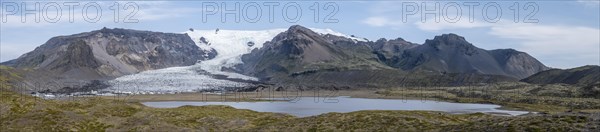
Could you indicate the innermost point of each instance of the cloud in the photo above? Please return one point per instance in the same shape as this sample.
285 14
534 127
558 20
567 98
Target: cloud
384 14
571 45
161 13
589 2
431 25
562 46
380 21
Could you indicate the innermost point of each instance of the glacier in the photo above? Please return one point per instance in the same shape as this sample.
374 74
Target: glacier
230 45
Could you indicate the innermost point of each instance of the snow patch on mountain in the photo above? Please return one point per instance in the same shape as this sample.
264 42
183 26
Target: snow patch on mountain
329 31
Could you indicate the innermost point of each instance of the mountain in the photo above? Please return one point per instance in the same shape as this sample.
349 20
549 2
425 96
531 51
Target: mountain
297 55
109 53
205 75
297 50
450 53
582 76
388 51
300 55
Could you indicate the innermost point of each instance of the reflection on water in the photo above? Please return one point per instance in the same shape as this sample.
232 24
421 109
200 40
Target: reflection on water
310 106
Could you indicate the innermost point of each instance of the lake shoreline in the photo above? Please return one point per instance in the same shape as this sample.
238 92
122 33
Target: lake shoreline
270 95
310 106
383 93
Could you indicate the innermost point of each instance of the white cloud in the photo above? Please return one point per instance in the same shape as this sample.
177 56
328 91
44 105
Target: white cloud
572 45
380 21
562 46
161 13
431 25
589 2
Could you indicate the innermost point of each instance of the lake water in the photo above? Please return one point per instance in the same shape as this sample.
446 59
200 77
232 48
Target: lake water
310 106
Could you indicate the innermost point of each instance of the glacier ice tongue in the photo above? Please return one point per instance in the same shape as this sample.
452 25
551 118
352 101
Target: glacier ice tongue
230 45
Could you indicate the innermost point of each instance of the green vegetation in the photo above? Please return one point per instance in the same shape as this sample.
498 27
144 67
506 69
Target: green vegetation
550 98
26 113
8 75
20 112
433 121
23 112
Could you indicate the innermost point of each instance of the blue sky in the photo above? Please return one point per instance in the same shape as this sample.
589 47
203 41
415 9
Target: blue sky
561 34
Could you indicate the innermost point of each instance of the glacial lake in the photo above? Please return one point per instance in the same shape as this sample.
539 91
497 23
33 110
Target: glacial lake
311 106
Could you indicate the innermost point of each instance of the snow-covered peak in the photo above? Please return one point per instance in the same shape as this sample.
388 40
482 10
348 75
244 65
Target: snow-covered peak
238 39
329 31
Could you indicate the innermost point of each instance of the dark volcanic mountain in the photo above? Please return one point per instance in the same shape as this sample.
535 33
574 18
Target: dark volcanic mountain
301 55
300 49
450 53
583 76
109 53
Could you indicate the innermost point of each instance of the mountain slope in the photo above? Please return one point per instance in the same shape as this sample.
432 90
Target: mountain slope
450 53
219 72
300 55
583 76
208 74
299 49
109 53
296 55
516 63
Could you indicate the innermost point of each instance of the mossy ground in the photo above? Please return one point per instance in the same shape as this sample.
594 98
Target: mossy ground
552 98
26 113
20 112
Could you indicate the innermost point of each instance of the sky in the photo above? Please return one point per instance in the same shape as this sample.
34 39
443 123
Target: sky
561 34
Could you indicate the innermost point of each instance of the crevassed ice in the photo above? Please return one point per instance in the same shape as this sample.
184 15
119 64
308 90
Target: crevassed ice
230 46
173 79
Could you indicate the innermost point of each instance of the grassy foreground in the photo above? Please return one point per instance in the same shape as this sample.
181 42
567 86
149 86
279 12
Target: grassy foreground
26 113
20 112
549 98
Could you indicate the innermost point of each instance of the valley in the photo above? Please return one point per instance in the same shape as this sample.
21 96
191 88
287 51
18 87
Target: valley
109 79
